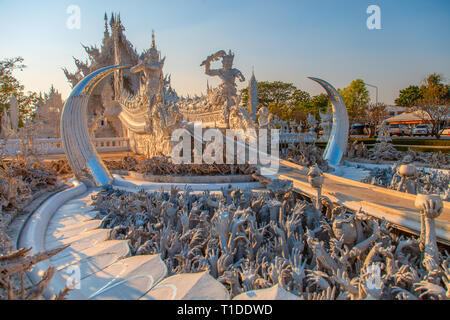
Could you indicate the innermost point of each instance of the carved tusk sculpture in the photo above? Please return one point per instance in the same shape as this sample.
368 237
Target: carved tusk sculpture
83 158
337 144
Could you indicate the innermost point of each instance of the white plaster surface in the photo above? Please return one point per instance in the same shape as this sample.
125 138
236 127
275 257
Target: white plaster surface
274 293
104 267
192 286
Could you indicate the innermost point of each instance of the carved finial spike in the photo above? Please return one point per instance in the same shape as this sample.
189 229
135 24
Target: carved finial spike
153 39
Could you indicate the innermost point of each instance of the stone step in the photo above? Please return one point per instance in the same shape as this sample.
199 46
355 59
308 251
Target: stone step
274 293
80 242
78 204
63 222
188 286
126 279
74 214
94 259
57 232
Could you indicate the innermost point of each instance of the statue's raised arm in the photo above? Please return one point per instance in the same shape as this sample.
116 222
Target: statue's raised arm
240 76
207 63
214 57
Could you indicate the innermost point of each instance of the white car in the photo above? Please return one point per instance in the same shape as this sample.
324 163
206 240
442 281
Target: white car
421 130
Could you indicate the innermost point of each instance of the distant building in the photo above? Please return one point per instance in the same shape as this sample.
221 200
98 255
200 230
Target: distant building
392 111
409 118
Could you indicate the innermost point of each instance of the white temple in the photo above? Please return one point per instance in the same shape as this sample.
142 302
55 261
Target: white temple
139 103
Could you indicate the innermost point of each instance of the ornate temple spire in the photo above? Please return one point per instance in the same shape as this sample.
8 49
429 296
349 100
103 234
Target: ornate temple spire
153 54
116 28
253 95
106 27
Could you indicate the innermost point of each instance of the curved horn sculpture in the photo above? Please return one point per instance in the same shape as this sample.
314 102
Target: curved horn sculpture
83 158
337 144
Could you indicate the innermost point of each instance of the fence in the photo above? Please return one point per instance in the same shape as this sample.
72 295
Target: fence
54 146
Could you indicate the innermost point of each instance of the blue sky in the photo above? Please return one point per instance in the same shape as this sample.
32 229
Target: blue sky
283 40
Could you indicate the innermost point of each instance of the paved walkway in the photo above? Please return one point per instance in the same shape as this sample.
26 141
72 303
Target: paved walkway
396 207
107 272
104 269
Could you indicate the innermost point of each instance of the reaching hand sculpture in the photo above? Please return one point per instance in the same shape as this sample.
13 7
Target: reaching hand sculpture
315 179
430 207
228 76
342 255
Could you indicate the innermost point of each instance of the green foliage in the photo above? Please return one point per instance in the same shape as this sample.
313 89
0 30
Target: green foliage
356 98
10 85
317 104
276 93
435 102
433 90
409 97
286 101
433 98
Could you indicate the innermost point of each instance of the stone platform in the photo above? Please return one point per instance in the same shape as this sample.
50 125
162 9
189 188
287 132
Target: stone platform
397 207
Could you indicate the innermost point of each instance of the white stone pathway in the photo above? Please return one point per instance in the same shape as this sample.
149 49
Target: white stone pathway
102 269
105 268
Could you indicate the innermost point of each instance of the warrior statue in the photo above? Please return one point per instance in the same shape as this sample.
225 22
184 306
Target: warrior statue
228 75
151 65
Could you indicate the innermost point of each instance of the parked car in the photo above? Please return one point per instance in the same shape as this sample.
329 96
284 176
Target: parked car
399 130
358 129
421 130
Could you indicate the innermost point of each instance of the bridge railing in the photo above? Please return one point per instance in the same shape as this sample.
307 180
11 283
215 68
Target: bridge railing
54 146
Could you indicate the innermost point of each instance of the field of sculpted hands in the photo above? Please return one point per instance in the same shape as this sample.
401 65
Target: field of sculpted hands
247 240
254 240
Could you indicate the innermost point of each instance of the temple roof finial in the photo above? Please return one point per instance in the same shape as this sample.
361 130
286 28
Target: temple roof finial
106 25
153 39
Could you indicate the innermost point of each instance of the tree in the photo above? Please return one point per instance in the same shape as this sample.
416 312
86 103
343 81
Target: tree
10 85
409 97
435 103
288 102
317 104
356 98
278 93
375 115
299 96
